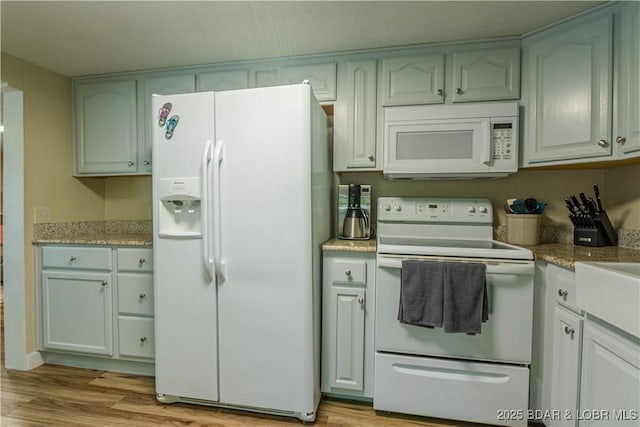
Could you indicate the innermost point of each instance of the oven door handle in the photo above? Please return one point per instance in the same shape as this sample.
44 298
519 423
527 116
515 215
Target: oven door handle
493 267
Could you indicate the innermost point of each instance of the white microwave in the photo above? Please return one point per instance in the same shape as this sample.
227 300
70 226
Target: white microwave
458 141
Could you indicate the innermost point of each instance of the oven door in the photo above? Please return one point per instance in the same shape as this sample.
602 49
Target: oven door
506 335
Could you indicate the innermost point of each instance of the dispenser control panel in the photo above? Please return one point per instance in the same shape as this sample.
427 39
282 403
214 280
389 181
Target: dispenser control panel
179 189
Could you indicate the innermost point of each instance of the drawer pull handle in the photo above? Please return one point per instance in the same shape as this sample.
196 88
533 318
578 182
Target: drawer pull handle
563 293
569 331
142 296
104 283
143 340
347 273
72 259
141 261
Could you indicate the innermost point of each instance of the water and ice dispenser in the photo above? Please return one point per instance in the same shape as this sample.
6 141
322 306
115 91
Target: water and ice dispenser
180 213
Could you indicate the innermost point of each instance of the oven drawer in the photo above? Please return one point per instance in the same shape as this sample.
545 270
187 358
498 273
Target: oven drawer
453 389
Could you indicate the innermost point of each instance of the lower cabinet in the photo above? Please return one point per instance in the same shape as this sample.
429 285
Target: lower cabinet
347 324
567 334
76 311
610 386
590 369
96 307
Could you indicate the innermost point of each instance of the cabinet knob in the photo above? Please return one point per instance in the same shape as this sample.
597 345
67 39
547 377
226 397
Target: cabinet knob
130 164
141 261
440 92
562 293
146 163
142 296
347 273
569 331
361 301
603 143
371 157
459 91
104 283
72 259
621 140
143 340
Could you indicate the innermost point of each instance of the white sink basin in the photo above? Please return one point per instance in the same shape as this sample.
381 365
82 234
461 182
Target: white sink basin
610 291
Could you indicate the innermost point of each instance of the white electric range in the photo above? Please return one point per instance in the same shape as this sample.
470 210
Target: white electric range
425 371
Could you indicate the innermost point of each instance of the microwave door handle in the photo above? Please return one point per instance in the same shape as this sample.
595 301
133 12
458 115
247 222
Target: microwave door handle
488 144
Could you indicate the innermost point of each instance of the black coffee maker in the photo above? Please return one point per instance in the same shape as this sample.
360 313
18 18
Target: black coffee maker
356 222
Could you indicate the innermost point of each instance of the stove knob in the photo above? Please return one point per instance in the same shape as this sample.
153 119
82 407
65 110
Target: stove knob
387 208
398 208
471 209
482 209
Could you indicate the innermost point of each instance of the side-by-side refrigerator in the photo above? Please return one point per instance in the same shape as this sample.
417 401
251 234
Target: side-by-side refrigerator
241 193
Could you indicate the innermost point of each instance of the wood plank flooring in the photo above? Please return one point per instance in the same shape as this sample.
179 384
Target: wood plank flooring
61 396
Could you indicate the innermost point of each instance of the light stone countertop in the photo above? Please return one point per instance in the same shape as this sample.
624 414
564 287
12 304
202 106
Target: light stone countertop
562 254
105 233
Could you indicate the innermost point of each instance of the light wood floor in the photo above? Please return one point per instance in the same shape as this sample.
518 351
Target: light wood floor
62 396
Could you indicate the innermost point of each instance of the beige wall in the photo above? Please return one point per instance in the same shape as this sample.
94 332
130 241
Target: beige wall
619 190
128 198
47 156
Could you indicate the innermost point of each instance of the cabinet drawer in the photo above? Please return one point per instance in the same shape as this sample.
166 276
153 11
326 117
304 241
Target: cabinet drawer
77 257
136 336
135 259
135 294
349 272
564 286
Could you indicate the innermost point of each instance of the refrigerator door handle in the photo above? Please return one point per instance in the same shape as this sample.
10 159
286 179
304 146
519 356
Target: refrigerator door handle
218 156
204 206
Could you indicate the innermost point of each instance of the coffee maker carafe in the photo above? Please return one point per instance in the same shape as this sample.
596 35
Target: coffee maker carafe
355 224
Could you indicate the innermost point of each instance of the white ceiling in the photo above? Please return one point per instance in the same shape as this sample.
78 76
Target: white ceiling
77 38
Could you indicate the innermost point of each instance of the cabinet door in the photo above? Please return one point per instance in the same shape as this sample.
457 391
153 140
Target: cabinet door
610 376
413 80
347 329
105 127
222 80
483 75
565 365
627 132
169 85
354 140
569 108
77 312
322 78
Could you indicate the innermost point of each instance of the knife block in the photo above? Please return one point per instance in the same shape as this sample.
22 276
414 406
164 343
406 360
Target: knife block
601 233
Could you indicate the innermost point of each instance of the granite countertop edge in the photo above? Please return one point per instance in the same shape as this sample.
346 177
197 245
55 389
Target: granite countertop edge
116 239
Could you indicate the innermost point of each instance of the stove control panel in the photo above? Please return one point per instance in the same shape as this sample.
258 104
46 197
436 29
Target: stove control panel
436 210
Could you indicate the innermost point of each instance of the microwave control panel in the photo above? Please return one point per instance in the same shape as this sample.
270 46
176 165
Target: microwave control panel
502 141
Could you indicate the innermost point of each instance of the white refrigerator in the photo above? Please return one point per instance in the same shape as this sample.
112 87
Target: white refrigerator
241 195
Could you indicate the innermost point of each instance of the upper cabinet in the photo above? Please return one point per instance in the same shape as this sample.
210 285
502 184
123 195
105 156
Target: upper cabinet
354 120
322 78
472 73
569 72
413 80
626 134
581 96
485 74
222 80
105 127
